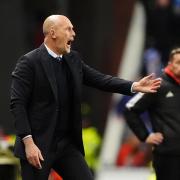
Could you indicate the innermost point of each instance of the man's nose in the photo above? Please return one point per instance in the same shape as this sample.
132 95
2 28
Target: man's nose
73 33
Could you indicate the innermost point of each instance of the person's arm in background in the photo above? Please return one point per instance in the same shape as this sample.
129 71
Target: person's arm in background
134 108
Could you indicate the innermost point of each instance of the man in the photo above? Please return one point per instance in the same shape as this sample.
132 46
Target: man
164 111
45 101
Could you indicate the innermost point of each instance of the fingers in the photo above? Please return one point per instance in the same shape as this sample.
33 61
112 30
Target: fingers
155 138
151 76
159 135
157 141
157 80
35 157
147 84
158 138
38 163
154 88
40 156
153 79
35 161
38 160
33 153
156 83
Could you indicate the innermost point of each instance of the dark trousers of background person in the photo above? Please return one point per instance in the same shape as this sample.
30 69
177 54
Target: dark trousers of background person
167 167
67 161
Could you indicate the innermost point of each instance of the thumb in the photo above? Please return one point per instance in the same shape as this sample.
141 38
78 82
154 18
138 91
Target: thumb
151 76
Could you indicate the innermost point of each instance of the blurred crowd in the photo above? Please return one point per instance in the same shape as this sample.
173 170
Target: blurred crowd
162 32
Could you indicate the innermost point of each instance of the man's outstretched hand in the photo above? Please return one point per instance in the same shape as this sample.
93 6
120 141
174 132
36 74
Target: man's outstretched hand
148 84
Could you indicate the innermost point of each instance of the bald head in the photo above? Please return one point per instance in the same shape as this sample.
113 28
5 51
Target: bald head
52 21
59 33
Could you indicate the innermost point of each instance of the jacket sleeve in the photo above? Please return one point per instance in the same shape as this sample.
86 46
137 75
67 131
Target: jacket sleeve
21 89
96 79
133 111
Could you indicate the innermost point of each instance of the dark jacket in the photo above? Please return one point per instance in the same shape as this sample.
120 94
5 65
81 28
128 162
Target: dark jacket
164 110
34 101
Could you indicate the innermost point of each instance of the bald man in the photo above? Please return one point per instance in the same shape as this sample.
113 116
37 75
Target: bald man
45 102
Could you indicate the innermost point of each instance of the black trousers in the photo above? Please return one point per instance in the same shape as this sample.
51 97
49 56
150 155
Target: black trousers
67 162
167 167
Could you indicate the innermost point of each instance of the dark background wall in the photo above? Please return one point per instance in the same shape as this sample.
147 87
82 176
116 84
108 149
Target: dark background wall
12 45
101 28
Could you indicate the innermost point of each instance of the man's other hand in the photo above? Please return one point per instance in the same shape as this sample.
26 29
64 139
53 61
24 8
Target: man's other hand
33 154
155 138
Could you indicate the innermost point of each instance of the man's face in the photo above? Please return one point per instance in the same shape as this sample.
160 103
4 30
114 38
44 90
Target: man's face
175 65
64 36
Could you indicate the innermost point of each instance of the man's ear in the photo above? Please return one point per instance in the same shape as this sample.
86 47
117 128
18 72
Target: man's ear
53 33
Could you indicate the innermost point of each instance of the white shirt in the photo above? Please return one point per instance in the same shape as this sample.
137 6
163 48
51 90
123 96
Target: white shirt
52 53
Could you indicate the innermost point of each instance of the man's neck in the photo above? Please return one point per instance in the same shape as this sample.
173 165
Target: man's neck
51 52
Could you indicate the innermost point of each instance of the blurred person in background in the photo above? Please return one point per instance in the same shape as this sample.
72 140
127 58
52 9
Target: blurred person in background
46 103
159 25
152 61
133 153
164 110
92 143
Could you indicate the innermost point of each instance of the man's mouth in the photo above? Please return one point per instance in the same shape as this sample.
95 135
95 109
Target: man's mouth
69 43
